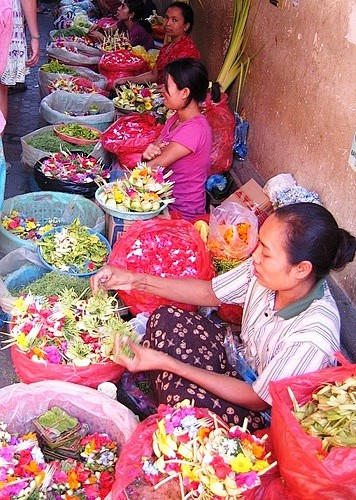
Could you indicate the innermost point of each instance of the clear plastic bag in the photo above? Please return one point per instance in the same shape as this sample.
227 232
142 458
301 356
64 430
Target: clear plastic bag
65 107
233 231
21 403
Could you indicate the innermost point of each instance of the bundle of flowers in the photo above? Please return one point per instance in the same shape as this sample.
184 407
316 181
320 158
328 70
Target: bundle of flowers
66 329
144 189
115 41
118 59
74 248
27 228
60 41
73 167
76 85
210 459
141 98
24 473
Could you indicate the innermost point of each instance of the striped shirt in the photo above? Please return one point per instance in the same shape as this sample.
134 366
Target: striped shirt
299 338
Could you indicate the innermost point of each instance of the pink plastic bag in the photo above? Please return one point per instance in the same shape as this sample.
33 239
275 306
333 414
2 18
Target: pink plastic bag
168 244
30 371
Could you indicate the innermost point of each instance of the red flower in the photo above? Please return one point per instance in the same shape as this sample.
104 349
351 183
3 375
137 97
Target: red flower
220 467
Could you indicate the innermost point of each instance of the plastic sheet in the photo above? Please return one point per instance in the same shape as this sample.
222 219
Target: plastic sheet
222 123
21 403
64 107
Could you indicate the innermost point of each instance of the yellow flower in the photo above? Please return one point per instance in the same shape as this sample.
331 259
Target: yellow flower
20 304
260 465
240 463
22 341
148 105
189 472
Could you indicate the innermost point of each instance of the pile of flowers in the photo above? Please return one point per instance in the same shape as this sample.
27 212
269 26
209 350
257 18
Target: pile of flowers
141 99
74 248
66 329
27 228
22 466
72 84
115 41
73 167
24 473
211 460
60 41
144 189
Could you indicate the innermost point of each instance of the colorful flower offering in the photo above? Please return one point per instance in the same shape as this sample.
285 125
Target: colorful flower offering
26 472
73 167
211 460
141 99
144 189
66 329
27 228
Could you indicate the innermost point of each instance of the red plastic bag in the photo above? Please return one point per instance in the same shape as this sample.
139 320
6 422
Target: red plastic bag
121 64
307 476
161 247
222 123
30 371
129 136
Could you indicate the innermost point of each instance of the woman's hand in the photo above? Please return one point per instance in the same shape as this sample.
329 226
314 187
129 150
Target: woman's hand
144 358
153 150
112 278
34 52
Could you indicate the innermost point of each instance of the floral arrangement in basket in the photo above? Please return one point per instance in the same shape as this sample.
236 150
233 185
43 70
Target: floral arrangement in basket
25 473
143 189
141 99
211 460
27 228
76 85
66 329
73 167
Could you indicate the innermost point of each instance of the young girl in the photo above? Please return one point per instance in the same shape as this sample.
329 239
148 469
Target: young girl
184 145
290 325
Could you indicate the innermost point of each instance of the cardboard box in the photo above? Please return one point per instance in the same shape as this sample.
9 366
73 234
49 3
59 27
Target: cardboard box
251 196
116 227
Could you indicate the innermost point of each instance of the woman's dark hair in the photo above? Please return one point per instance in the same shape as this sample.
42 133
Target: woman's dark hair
189 73
137 7
187 13
313 235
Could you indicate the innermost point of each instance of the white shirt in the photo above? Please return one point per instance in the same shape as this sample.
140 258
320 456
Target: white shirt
299 338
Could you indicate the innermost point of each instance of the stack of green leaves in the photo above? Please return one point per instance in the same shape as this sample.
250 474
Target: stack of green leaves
331 414
59 434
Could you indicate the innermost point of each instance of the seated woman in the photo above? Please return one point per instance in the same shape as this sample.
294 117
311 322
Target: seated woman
184 145
178 22
130 16
290 325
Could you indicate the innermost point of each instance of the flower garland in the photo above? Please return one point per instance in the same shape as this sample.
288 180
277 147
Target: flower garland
27 228
66 329
24 473
210 460
73 167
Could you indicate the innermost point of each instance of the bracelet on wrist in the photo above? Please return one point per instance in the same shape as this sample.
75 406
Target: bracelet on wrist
35 37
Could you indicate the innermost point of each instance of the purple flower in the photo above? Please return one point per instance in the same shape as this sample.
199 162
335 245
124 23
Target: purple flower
53 355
